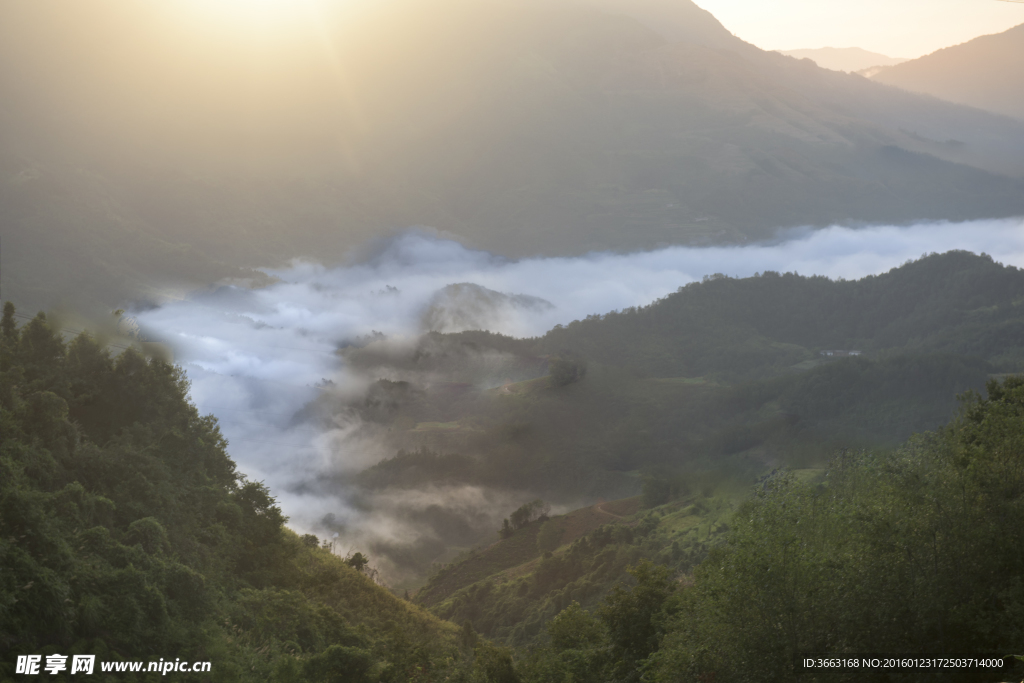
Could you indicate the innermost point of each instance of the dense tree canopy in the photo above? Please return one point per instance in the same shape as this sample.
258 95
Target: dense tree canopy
917 551
127 532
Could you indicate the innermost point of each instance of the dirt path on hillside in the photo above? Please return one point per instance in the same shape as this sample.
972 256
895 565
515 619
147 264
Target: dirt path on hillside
600 508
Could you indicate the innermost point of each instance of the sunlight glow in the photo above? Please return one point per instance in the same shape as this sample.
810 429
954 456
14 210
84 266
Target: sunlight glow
900 28
250 11
268 19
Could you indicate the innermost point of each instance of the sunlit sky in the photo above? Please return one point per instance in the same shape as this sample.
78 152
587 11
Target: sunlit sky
897 28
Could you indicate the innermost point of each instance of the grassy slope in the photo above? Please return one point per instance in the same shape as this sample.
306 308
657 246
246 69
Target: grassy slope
372 607
509 590
505 554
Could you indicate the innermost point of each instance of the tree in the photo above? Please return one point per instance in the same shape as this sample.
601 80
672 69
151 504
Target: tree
493 664
339 664
634 618
8 328
506 529
467 636
528 512
575 629
578 649
357 561
566 369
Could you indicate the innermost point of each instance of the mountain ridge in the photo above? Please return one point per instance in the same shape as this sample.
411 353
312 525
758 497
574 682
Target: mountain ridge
494 128
985 73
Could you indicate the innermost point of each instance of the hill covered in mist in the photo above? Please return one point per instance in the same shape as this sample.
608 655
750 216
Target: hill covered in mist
715 383
145 152
987 73
690 404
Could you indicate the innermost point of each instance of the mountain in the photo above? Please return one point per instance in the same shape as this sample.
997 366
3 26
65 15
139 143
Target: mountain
844 58
718 382
696 407
145 156
987 73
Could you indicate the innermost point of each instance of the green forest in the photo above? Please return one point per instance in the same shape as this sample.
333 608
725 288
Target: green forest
127 532
788 504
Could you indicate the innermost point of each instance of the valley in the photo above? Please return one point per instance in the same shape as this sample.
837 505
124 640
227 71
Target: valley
511 341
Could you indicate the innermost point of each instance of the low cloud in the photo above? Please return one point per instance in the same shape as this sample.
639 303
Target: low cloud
258 359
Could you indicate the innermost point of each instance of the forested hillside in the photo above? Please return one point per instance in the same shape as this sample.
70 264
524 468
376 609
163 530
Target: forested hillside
731 328
915 550
708 388
723 369
920 550
127 532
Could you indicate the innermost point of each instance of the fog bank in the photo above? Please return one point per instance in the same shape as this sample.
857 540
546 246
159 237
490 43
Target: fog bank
256 358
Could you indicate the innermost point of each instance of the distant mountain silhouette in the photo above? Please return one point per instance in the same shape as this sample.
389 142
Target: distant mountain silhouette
139 153
987 73
844 58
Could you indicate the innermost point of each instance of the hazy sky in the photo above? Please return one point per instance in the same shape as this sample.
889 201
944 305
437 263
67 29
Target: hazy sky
897 28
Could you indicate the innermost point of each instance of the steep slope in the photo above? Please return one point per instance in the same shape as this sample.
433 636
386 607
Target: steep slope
987 73
70 241
512 599
127 532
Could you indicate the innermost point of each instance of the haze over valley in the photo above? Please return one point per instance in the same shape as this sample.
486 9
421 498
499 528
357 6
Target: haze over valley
511 341
265 360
